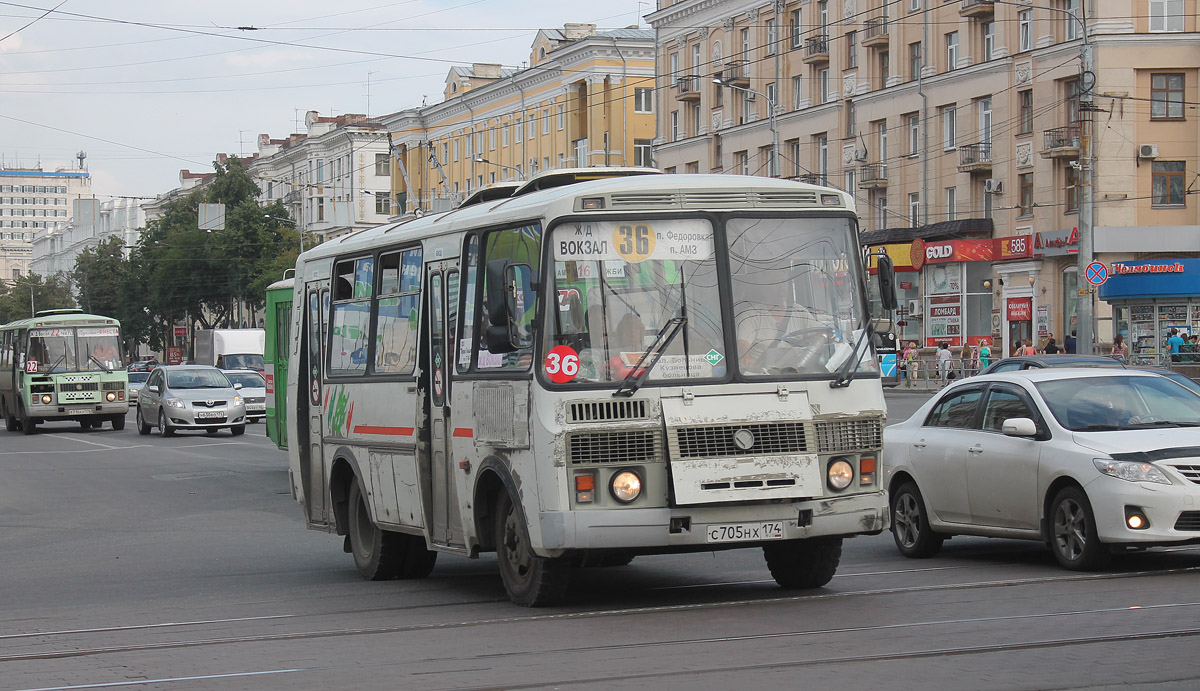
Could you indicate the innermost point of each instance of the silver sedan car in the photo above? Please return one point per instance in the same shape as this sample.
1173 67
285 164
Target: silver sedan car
1085 460
254 392
179 397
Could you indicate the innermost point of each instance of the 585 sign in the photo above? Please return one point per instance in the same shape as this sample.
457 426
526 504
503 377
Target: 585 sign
562 364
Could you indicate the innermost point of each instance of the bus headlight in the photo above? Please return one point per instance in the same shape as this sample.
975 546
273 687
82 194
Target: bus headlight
626 486
840 474
112 396
47 398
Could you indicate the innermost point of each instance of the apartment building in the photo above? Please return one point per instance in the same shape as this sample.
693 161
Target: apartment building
93 221
334 178
958 126
31 201
587 98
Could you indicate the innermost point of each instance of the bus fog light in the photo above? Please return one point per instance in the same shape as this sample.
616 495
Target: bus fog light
47 398
585 488
112 396
840 474
626 486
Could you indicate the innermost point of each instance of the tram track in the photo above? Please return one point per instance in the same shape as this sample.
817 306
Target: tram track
84 652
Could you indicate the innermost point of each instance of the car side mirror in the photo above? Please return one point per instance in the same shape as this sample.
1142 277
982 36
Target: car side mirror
152 388
237 386
1019 427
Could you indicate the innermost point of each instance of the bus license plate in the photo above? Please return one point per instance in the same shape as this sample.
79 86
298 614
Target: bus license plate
739 532
202 414
80 411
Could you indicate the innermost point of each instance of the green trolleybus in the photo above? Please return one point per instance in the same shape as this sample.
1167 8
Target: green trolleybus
62 365
586 371
278 319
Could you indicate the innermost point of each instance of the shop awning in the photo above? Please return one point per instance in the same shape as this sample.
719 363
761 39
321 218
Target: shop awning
966 227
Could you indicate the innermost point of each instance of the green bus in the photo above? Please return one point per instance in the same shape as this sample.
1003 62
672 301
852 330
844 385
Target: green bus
62 365
279 321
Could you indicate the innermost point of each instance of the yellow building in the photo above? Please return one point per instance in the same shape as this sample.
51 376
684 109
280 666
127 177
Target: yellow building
586 99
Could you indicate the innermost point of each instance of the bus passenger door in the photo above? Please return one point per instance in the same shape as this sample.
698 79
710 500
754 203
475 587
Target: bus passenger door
446 526
312 461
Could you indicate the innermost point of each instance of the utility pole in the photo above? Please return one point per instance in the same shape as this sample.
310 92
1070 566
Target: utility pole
770 119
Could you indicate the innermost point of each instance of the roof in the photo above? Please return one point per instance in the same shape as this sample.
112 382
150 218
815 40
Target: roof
1052 373
72 319
647 34
959 228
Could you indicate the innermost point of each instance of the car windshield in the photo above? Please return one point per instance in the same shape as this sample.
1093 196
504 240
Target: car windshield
1101 404
617 284
138 377
797 301
197 379
248 380
246 361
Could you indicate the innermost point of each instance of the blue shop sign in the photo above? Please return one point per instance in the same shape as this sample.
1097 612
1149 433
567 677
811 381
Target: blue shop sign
1151 278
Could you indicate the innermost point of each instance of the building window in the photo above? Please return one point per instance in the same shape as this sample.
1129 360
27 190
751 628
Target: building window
772 97
951 50
1026 124
793 148
823 16
491 138
1166 15
1072 188
1071 23
914 134
517 131
949 127
1167 186
642 152
989 40
1071 89
562 117
881 219
1025 24
914 60
383 166
581 152
675 125
914 209
852 49
951 203
772 36
532 120
881 130
1025 183
696 118
823 86
383 205
545 121
851 119
984 108
823 156
1166 97
320 208
850 182
741 160
885 69
797 92
797 29
718 152
697 68
456 149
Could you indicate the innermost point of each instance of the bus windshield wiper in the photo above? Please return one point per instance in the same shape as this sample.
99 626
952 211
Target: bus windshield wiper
641 370
849 368
102 365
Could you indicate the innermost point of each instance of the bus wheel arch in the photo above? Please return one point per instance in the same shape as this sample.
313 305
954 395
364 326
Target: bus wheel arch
493 478
342 477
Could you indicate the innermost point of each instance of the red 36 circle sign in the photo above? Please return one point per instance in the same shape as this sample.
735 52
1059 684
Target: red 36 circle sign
562 364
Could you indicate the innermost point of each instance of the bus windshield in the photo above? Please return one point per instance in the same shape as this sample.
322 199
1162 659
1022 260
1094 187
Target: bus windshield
51 350
99 348
797 299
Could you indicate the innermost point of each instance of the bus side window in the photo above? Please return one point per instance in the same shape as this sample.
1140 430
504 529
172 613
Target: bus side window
519 246
396 312
470 274
351 319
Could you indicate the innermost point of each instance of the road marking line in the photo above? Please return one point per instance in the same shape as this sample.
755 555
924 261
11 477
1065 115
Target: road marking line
167 680
36 453
86 441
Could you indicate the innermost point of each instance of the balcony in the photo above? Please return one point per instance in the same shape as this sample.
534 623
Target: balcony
872 176
976 8
1061 142
816 49
975 157
875 33
737 73
814 179
687 88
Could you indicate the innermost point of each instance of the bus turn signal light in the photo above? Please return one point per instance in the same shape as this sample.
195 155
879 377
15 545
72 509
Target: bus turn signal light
866 471
585 488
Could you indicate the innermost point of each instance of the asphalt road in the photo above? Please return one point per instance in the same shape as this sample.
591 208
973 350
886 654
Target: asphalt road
183 564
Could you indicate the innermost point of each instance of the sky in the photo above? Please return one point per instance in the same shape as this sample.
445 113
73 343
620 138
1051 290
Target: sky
151 88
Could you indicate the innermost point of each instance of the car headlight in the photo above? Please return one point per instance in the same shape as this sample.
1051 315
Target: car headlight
626 486
840 474
175 403
1133 471
237 400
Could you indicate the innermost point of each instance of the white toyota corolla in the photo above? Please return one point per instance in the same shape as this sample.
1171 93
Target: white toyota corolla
1083 459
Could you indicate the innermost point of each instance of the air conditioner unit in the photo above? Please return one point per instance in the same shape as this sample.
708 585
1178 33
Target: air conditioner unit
993 186
860 154
914 307
1148 151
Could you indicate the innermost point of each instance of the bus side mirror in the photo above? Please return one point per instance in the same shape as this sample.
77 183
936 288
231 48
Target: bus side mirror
887 282
506 284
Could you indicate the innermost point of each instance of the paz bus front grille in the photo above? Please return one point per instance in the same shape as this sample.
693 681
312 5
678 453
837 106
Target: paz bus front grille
627 446
834 436
717 441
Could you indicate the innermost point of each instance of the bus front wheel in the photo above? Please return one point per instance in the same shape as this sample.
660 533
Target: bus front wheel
531 581
802 564
118 422
28 426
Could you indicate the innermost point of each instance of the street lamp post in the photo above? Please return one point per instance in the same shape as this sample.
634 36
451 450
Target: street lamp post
30 286
771 121
481 159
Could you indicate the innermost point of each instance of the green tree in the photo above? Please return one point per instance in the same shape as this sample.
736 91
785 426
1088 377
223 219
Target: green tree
105 283
49 293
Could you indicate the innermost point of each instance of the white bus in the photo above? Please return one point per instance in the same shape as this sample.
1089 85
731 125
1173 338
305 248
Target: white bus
580 373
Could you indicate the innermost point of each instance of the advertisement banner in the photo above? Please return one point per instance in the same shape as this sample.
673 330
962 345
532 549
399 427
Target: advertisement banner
944 321
946 251
900 253
174 355
1056 243
1043 321
1020 309
1016 247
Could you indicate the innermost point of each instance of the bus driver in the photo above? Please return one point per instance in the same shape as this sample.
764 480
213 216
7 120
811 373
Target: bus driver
776 334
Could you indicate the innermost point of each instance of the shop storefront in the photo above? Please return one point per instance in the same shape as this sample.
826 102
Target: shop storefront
1151 297
1059 306
908 288
956 298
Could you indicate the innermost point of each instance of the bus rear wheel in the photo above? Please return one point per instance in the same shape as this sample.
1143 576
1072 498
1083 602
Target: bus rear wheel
803 564
531 581
10 422
379 555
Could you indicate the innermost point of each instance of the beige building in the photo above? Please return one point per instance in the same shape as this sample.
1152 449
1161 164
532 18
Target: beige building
958 125
586 99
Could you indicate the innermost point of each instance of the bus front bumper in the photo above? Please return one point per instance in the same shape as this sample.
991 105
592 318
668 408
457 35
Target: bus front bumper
669 529
71 411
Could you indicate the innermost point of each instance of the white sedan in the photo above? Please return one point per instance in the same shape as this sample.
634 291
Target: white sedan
1083 459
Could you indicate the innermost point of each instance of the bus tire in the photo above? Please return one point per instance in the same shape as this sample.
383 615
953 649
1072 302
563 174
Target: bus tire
164 427
85 424
143 427
531 581
10 422
419 561
118 422
804 564
28 426
379 554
